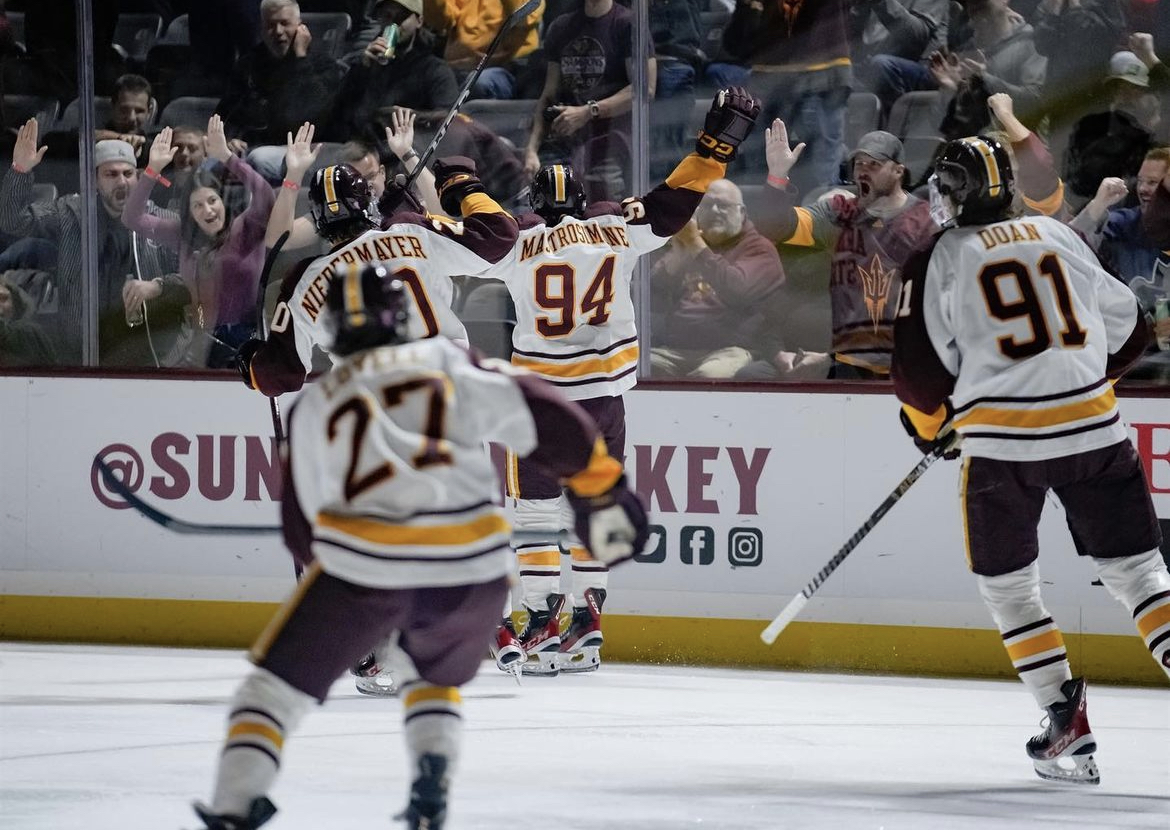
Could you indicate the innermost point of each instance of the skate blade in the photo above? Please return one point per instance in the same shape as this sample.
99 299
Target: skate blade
371 687
580 661
1069 769
542 664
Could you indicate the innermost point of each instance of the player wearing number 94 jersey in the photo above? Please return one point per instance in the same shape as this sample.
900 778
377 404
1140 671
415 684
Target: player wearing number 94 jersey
569 278
1010 332
421 250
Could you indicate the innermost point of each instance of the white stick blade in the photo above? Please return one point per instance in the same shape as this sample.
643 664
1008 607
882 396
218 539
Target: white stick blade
769 634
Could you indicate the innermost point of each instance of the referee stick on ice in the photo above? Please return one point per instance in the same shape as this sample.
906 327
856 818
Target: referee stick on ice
941 446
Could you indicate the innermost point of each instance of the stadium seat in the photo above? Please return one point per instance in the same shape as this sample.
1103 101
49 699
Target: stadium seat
70 117
178 32
329 29
711 33
191 111
863 115
136 33
508 119
20 108
915 114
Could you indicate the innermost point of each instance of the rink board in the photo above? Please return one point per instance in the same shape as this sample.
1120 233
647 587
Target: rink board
751 493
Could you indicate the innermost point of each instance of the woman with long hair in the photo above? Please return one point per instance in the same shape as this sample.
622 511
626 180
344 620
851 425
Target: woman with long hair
221 247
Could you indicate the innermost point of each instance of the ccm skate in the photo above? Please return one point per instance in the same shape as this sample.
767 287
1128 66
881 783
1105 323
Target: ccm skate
580 649
541 638
1064 751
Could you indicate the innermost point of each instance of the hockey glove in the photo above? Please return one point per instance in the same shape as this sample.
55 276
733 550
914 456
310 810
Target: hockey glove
455 180
729 121
612 525
243 359
945 443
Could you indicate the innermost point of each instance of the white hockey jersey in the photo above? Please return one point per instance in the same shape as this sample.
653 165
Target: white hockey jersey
1019 325
388 465
423 252
571 283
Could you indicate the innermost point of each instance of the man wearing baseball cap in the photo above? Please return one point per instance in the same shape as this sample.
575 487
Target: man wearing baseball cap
870 234
121 257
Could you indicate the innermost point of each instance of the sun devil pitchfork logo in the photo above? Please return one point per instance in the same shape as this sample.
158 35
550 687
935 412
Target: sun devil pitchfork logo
875 283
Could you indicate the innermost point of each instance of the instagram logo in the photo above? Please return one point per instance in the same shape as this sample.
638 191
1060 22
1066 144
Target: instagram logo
745 547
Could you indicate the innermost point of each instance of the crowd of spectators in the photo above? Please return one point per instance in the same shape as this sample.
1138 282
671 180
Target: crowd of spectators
790 269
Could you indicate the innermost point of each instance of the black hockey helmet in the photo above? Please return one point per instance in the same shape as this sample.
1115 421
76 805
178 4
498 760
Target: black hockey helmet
556 192
975 174
365 307
342 203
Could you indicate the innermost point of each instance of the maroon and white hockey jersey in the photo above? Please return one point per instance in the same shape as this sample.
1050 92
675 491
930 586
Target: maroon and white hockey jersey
389 485
571 283
1019 326
422 251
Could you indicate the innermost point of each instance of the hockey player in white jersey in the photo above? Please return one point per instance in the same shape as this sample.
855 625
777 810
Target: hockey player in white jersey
389 498
569 276
1009 331
423 251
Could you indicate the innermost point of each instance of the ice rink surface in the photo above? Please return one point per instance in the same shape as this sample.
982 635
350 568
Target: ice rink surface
101 738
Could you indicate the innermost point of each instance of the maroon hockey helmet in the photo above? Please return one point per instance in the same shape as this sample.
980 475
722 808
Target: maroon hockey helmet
556 192
365 307
342 203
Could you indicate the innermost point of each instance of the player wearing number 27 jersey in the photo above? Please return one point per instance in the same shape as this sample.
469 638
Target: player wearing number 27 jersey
422 251
1010 330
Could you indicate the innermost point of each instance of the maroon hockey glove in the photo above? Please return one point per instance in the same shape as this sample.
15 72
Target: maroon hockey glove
729 121
243 359
612 525
455 180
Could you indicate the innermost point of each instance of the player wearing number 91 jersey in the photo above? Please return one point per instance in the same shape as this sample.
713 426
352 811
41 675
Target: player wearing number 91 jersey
1010 331
422 251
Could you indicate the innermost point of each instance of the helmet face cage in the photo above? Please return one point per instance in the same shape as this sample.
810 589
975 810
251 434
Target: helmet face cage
557 192
342 203
975 173
364 308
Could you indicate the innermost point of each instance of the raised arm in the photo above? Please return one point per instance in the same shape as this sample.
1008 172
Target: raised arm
260 197
162 229
18 215
299 157
400 140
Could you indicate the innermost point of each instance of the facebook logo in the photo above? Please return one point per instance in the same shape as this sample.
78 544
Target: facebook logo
697 545
655 550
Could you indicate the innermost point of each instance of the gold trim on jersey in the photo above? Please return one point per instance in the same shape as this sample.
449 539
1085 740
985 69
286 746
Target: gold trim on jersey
695 173
1049 205
926 424
480 203
512 475
803 235
383 533
600 475
588 366
1036 416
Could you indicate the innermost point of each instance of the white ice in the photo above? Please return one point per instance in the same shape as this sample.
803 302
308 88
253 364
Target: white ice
99 738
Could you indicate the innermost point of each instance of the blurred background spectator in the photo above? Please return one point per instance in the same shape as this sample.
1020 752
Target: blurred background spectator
891 42
717 291
23 341
470 25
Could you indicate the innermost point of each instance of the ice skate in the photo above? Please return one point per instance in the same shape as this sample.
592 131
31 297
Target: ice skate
506 649
427 809
1064 751
371 679
580 649
261 810
541 639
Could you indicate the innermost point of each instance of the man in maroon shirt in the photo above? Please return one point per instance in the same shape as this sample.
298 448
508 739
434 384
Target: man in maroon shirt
715 288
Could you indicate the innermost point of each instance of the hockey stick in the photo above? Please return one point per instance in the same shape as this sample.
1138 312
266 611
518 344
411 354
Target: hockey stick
176 525
262 327
461 99
942 445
